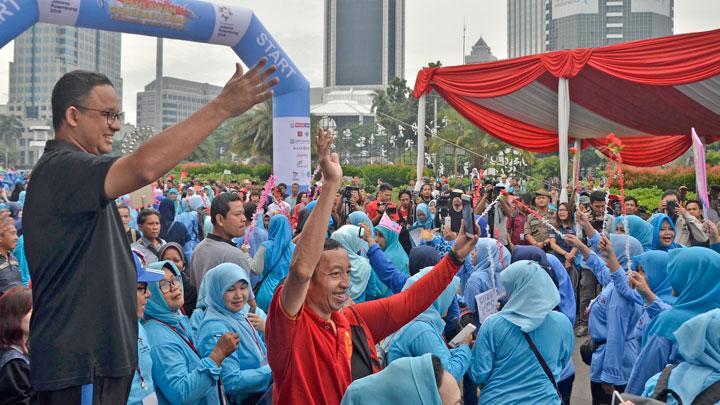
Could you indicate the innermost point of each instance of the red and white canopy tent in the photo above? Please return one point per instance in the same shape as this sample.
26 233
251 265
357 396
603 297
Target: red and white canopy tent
648 92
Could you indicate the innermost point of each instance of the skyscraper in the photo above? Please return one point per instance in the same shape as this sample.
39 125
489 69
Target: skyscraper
536 26
45 52
180 99
364 42
526 26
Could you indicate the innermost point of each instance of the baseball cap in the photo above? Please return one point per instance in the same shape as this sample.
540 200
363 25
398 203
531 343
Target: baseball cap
146 275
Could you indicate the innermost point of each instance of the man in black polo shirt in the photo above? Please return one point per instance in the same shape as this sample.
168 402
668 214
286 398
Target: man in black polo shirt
84 323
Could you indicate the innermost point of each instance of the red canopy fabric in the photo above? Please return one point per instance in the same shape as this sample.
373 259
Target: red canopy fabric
649 92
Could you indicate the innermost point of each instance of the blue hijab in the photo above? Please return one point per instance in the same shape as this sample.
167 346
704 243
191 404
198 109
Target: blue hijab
695 277
410 380
657 225
699 345
439 308
310 207
347 236
393 249
156 306
359 217
654 263
498 256
167 216
421 257
532 295
620 243
429 218
279 247
638 229
214 286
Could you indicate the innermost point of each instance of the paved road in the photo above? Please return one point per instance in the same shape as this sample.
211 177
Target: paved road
581 387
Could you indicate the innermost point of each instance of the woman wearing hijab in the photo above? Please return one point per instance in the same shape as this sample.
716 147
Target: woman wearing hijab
421 257
174 252
272 260
502 357
423 218
664 232
181 375
612 318
411 380
361 287
388 239
167 216
491 257
425 333
245 373
699 346
694 274
637 228
176 200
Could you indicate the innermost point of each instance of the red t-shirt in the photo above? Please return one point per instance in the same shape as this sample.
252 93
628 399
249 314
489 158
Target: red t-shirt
311 362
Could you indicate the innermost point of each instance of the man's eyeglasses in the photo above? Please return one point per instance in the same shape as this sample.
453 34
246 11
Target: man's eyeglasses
167 285
111 116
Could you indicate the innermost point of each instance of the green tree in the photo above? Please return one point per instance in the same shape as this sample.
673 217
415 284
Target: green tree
10 130
252 135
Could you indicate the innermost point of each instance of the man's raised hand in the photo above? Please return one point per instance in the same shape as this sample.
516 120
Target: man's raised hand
243 91
329 163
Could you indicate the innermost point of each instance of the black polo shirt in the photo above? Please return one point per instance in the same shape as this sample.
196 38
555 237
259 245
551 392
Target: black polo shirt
84 320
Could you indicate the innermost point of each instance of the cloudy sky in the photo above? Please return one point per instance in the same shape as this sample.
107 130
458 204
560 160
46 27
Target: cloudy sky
433 31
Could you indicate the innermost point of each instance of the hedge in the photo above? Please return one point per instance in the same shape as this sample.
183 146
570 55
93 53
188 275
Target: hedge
669 178
396 175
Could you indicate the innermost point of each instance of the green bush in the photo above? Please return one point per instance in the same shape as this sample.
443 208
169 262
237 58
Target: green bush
648 196
670 178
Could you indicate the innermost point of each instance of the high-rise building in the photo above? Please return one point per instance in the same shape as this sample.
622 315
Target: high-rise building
180 99
480 53
364 42
526 26
45 52
536 26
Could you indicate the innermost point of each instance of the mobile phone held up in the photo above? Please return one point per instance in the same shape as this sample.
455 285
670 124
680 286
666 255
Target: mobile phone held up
468 216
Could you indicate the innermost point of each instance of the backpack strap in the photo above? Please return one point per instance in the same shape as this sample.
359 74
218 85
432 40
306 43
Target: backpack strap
709 395
543 364
661 386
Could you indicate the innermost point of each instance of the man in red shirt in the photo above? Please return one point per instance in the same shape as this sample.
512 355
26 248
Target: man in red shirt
318 343
376 209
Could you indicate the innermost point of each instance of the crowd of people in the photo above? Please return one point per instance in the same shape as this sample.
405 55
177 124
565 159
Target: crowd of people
334 294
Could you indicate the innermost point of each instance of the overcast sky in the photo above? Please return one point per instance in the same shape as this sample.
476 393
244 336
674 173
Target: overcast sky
433 31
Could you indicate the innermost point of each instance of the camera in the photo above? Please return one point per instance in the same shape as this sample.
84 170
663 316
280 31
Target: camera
672 205
346 191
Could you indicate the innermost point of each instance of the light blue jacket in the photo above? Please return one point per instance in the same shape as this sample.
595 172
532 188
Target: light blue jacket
137 392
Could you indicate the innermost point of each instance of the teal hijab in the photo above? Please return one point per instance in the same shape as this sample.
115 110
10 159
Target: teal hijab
654 263
410 380
695 277
156 306
439 308
394 250
620 244
532 295
657 223
220 280
279 247
638 229
348 237
699 345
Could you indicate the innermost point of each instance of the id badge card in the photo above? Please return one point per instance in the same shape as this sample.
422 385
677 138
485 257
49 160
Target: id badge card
150 399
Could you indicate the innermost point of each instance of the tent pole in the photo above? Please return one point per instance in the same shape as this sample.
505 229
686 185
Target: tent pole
563 128
576 164
420 142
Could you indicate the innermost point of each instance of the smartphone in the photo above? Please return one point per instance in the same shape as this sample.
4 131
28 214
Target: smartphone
617 399
468 217
361 232
462 335
447 220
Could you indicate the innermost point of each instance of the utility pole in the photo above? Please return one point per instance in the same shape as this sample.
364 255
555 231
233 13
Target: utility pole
158 85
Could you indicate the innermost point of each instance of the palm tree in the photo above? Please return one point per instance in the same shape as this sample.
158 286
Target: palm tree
252 134
10 130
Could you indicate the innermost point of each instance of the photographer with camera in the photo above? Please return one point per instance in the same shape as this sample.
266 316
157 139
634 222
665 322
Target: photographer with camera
376 209
598 212
690 231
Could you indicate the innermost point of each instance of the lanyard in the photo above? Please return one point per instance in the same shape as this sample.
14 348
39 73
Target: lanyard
253 334
177 332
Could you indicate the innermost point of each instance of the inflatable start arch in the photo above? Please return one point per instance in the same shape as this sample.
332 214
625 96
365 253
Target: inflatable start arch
199 21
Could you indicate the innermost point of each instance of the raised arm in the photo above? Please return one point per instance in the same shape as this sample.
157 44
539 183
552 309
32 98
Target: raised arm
309 246
165 150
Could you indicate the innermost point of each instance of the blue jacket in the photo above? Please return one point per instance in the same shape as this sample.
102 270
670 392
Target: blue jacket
137 392
509 371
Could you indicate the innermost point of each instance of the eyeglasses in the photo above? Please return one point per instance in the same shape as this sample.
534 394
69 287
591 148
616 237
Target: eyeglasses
167 285
111 116
142 288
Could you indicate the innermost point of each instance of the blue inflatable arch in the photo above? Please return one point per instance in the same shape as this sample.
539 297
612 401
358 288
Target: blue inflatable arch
199 21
